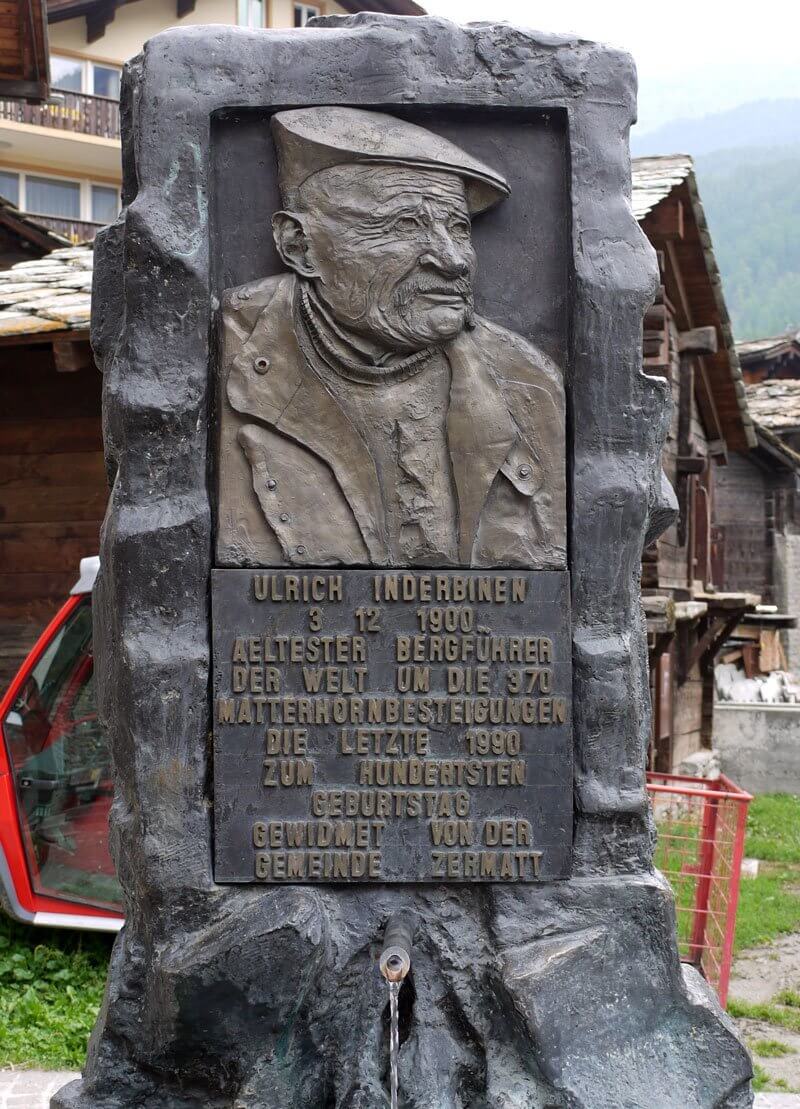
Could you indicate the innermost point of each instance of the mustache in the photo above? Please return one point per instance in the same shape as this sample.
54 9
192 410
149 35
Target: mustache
406 293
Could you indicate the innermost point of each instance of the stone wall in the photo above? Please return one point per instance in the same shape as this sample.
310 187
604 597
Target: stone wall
759 746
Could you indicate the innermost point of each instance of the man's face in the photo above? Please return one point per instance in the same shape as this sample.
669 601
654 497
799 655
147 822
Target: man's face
392 252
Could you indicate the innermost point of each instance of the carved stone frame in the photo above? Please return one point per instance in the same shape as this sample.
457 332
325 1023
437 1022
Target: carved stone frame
152 332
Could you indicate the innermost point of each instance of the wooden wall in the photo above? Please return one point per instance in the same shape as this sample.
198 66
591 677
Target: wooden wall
744 495
670 567
666 564
52 491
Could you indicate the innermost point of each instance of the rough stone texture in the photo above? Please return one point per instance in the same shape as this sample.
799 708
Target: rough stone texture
567 995
758 746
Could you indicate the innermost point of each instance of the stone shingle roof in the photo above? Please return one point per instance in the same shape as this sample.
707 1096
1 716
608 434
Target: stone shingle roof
775 404
49 294
655 178
772 347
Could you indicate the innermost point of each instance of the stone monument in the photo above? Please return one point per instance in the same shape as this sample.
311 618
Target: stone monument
368 627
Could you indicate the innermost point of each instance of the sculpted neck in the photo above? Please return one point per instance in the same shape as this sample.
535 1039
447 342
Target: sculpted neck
353 356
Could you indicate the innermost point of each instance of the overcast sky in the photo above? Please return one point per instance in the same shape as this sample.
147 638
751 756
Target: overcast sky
694 56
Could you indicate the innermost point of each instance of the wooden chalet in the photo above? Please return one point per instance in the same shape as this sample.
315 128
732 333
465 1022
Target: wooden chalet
777 358
53 493
24 66
688 340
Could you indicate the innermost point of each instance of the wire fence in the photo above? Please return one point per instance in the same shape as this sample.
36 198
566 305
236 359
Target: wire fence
701 826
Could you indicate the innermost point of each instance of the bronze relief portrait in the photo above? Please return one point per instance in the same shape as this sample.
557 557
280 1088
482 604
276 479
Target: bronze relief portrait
369 416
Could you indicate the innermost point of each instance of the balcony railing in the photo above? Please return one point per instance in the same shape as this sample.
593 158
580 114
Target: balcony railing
75 112
76 230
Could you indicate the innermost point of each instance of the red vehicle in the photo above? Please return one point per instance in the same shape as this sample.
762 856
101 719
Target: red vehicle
55 781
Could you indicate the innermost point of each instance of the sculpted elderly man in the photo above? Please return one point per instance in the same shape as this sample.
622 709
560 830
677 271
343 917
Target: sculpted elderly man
369 416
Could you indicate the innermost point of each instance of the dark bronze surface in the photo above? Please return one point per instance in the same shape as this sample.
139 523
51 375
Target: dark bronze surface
369 413
362 734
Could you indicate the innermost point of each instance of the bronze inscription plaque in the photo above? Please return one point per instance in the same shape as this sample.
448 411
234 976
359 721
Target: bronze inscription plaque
391 725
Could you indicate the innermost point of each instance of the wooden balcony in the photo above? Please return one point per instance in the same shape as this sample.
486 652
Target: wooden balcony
75 112
76 230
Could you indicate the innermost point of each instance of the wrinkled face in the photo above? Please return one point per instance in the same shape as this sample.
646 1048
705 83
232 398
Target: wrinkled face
389 250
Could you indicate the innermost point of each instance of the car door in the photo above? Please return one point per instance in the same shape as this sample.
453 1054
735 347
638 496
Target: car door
60 768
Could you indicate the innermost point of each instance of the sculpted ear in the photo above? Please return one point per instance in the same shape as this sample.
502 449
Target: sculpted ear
292 243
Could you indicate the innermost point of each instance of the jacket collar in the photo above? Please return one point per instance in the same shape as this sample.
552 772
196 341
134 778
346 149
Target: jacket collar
292 398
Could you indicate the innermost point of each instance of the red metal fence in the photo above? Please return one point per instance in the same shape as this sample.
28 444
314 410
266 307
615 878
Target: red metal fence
701 827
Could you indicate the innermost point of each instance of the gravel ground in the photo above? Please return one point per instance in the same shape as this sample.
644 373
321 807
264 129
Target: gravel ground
31 1089
758 976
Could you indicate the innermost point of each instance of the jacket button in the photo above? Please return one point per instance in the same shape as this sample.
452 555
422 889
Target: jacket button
524 471
271 484
284 517
301 550
261 365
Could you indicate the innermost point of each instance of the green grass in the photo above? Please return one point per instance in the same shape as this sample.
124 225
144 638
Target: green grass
769 905
766 1011
51 985
764 1081
771 1049
773 828
760 1078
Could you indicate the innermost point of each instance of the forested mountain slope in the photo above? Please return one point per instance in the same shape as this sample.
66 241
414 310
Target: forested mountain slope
751 194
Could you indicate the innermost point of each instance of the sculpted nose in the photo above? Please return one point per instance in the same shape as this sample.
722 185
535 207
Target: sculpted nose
446 255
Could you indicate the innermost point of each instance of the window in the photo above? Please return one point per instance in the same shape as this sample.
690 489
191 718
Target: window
105 81
47 196
105 204
304 12
9 186
66 73
251 13
60 198
86 76
61 770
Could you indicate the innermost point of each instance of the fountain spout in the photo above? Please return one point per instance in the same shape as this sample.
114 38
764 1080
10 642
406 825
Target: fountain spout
398 941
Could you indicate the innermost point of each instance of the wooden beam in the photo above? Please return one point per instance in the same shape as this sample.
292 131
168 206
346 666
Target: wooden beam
685 446
691 463
666 219
98 18
699 340
716 633
70 356
25 230
676 290
718 449
41 338
707 404
24 90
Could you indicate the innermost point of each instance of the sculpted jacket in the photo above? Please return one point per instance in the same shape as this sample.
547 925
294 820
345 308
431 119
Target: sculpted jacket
298 486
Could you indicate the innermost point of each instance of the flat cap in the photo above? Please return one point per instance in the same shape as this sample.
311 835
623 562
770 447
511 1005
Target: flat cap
311 139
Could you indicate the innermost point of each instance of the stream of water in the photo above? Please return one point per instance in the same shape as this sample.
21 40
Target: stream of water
394 1040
